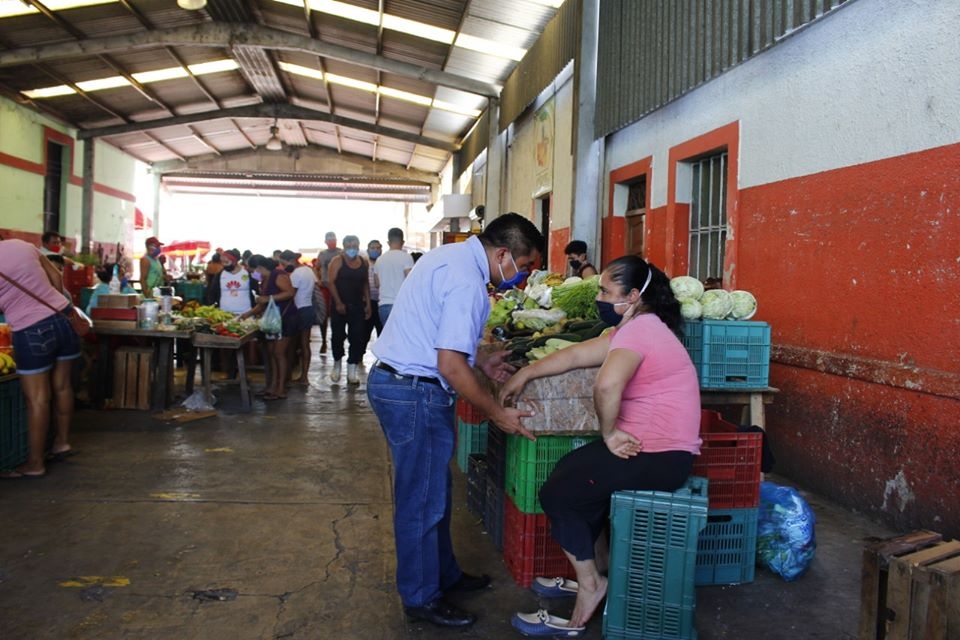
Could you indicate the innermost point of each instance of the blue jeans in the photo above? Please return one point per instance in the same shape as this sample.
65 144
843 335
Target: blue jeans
385 313
417 420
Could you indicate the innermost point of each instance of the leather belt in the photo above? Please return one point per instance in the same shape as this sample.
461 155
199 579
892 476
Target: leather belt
386 367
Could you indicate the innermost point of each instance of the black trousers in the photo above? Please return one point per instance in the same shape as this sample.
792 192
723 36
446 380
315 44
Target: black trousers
351 326
576 496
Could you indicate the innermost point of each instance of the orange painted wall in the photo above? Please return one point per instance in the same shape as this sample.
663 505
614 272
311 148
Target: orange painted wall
856 271
559 239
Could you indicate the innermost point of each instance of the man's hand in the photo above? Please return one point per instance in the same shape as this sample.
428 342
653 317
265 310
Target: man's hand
495 366
508 421
622 444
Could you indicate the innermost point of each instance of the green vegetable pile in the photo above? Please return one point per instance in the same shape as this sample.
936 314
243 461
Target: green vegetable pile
578 298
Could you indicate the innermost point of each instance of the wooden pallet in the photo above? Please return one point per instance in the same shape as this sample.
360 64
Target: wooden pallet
131 377
910 588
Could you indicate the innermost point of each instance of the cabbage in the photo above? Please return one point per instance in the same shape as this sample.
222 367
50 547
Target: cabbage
537 319
716 304
691 309
686 288
744 305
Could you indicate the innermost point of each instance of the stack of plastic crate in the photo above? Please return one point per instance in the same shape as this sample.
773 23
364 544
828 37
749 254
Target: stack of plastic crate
729 354
472 431
653 548
14 446
496 469
476 483
730 460
528 549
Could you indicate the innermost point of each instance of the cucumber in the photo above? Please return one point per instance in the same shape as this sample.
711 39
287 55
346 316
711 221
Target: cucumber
569 337
594 331
577 326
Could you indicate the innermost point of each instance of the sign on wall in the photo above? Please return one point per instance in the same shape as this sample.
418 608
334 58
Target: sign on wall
543 149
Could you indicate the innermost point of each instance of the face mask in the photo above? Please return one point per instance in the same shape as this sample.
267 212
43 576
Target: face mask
608 312
575 264
256 276
352 253
331 244
373 253
154 251
515 280
289 268
55 247
228 266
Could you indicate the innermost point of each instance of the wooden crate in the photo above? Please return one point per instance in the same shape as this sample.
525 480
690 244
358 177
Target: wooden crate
875 583
923 594
132 367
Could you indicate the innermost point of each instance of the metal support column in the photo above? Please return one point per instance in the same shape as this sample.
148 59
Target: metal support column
588 184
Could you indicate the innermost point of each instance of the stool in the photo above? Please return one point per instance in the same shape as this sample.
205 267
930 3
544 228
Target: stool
653 552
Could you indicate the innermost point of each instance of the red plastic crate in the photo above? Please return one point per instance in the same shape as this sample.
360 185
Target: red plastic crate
528 549
730 460
468 413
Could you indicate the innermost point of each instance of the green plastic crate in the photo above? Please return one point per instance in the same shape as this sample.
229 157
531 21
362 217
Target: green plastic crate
653 550
14 445
471 438
727 547
529 465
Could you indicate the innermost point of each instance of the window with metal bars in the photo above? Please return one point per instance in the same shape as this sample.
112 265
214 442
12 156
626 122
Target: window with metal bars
708 216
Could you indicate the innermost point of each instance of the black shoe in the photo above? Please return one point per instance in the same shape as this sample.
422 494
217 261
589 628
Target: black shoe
440 613
468 582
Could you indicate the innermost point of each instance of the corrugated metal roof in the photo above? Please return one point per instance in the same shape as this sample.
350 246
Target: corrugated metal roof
141 35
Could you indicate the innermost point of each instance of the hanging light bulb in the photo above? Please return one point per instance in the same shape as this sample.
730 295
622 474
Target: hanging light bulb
192 5
274 143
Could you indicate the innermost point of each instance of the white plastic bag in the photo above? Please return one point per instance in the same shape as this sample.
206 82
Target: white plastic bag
271 323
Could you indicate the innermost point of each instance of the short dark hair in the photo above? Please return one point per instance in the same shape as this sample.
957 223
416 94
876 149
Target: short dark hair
395 233
258 260
215 257
246 254
575 246
56 258
49 235
513 231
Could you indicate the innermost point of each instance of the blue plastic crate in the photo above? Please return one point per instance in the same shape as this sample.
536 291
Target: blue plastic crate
653 548
727 547
471 438
14 445
729 354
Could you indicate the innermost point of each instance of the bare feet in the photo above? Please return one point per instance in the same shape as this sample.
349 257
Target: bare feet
587 602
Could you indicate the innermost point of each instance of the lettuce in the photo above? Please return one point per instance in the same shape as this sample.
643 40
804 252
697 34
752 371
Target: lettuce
716 304
744 305
686 288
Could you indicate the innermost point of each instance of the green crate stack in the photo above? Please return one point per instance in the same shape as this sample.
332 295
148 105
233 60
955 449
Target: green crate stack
14 446
653 551
471 438
529 465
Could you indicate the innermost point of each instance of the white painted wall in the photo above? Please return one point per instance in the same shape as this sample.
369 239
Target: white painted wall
877 79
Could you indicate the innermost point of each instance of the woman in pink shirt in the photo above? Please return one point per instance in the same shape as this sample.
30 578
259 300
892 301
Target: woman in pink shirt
45 346
647 399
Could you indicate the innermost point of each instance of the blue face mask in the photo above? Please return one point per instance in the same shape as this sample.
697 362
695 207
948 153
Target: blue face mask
373 253
352 253
515 280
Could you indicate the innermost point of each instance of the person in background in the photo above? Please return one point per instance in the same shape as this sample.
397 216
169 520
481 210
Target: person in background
45 345
153 274
647 400
276 254
304 281
214 266
104 275
374 249
350 290
416 255
390 271
426 357
51 243
321 268
230 289
275 282
576 252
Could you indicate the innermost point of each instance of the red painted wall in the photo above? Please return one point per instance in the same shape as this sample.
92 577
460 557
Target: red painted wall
857 272
559 239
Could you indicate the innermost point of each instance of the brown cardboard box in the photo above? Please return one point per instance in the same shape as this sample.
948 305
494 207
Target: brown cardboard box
131 377
118 300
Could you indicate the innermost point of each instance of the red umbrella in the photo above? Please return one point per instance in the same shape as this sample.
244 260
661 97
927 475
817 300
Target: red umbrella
183 248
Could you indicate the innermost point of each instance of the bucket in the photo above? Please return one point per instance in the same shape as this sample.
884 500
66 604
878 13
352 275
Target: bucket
147 314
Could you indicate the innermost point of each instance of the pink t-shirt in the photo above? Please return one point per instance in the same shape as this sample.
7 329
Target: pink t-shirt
20 261
661 402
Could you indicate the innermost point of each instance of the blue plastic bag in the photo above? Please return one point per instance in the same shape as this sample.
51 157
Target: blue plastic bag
786 539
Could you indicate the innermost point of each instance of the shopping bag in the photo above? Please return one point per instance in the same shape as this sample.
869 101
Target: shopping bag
270 322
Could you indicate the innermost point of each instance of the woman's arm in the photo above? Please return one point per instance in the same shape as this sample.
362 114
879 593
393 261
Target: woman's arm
617 370
580 356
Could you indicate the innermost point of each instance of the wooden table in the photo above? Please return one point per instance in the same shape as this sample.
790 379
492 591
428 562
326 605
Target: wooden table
752 402
207 342
161 391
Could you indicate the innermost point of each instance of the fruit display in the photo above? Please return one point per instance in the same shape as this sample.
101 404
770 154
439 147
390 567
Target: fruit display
8 365
211 314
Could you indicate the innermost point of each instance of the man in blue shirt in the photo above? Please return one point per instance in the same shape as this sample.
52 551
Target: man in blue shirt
426 356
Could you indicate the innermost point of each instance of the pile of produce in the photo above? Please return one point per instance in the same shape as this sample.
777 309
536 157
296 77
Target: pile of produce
549 314
213 320
711 304
7 364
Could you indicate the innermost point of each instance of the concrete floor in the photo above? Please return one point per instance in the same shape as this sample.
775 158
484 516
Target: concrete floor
288 509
